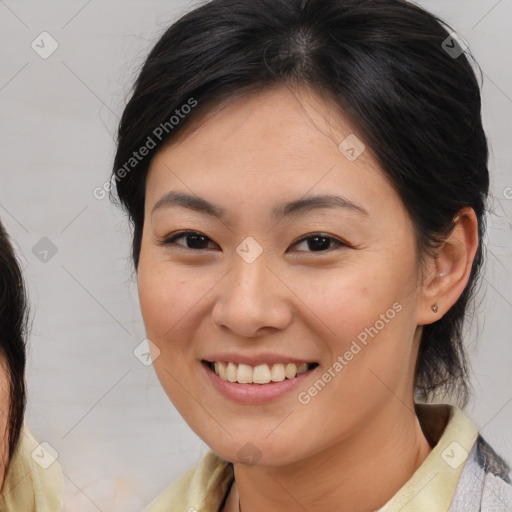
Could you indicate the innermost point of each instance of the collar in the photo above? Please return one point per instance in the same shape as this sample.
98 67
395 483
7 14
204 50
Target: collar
433 484
205 486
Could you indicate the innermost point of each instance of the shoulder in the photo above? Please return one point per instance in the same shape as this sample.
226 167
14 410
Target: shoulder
34 480
203 487
484 485
490 461
497 488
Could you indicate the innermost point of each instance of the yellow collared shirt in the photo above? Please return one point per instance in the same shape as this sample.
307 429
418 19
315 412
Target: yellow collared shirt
34 481
204 487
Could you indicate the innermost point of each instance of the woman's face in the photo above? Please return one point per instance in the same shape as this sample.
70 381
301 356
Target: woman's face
256 287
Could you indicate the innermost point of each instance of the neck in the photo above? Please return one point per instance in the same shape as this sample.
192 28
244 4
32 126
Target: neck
358 474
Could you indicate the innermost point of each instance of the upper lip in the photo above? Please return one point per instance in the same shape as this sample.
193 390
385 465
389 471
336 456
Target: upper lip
255 360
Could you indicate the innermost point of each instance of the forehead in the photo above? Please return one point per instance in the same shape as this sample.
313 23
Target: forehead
270 144
260 115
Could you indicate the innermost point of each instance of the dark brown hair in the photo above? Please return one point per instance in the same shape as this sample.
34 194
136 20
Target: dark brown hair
13 327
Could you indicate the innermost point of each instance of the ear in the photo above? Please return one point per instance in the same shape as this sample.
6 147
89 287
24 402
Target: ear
448 272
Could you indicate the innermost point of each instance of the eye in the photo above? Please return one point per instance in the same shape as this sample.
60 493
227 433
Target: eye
319 242
193 240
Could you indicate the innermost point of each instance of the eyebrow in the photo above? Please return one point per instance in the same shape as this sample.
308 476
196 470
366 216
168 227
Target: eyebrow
298 206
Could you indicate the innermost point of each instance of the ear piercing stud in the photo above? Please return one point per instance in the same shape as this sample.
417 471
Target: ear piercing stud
435 308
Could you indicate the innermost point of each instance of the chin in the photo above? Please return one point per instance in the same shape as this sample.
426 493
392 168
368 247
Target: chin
255 452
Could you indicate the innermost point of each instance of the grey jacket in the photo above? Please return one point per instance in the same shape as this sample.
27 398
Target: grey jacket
484 484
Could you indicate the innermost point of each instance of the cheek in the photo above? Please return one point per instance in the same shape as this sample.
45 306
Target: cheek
166 297
365 315
174 304
348 300
166 300
366 332
158 303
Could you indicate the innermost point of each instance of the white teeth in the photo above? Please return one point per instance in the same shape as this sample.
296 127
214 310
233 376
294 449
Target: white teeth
223 374
244 374
277 372
260 374
291 370
231 372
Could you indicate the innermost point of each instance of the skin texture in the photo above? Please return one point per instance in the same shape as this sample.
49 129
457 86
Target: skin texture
253 154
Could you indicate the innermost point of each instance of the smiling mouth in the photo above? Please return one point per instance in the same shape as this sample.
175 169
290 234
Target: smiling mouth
260 374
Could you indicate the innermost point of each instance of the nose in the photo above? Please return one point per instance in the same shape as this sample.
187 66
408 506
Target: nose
252 300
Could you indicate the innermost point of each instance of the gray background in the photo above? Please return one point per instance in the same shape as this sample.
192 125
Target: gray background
119 439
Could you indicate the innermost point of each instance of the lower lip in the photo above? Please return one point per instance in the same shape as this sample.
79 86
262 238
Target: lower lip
256 394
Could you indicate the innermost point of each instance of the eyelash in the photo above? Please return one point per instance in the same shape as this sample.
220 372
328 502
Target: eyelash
172 240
